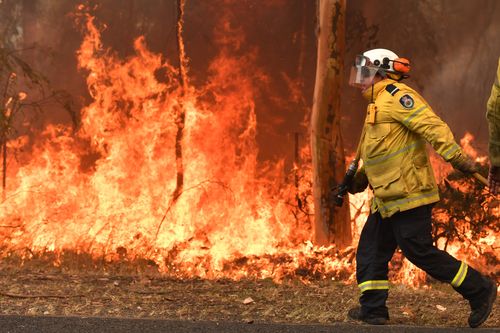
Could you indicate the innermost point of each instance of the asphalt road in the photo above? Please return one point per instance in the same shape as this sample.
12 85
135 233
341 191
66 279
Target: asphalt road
26 324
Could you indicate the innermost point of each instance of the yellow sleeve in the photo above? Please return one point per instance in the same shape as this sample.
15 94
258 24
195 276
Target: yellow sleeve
493 116
412 111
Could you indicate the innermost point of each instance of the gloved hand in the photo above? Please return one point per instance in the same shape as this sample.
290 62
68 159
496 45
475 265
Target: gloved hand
465 164
359 183
337 195
494 179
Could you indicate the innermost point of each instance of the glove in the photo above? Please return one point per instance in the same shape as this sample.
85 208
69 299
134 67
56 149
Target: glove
465 164
337 195
359 183
494 179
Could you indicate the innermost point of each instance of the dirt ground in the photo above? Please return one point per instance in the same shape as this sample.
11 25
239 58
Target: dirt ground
44 290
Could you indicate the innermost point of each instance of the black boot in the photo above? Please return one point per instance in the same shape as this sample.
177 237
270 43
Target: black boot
481 307
372 319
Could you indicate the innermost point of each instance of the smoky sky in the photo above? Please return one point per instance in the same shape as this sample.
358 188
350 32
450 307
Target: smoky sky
454 46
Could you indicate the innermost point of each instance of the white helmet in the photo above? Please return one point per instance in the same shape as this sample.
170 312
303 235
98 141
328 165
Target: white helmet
381 61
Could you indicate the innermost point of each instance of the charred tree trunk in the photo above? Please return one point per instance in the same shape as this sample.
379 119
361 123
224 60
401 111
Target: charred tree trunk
181 113
302 38
4 127
4 167
330 223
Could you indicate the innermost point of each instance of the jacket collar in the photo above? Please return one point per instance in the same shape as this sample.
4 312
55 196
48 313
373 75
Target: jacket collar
377 88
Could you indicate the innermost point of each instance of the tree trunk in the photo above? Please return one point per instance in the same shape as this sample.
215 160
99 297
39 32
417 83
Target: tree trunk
4 167
181 116
330 223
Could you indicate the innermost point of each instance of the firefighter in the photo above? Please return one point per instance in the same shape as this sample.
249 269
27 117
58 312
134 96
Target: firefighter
396 166
493 116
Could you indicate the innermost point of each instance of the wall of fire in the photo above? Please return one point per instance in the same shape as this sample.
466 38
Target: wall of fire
453 46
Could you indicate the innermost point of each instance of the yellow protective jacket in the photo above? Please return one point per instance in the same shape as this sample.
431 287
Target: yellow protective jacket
493 116
393 151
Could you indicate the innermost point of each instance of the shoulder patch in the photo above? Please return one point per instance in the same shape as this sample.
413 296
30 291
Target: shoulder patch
391 89
406 101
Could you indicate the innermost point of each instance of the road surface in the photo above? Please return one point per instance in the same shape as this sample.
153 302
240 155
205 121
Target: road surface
27 324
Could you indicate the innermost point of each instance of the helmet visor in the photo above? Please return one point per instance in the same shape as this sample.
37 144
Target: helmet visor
362 73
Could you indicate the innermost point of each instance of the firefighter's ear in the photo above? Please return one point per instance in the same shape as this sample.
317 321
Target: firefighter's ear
402 65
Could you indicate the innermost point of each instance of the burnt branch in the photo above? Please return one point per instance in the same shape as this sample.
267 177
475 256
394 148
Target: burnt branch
7 294
465 214
175 198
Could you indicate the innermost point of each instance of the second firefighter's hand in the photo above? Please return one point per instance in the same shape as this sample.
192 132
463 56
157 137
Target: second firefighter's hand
494 179
465 164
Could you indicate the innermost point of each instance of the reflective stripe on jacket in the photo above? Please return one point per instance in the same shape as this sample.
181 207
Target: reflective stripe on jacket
394 148
493 116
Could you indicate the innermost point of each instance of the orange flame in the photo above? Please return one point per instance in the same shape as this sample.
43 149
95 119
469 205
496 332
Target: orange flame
109 186
466 143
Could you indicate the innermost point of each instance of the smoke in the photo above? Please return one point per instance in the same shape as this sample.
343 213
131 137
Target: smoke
452 44
279 33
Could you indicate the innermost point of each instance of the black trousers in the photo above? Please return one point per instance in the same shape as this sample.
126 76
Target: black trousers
411 231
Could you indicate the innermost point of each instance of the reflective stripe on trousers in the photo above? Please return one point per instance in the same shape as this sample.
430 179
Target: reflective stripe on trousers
460 276
374 285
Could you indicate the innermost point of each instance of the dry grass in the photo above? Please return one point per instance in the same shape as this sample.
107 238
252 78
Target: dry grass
37 289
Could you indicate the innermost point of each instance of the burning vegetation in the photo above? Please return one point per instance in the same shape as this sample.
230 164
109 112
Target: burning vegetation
160 169
165 171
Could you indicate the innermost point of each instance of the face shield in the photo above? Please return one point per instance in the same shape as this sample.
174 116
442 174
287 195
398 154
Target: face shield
362 73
